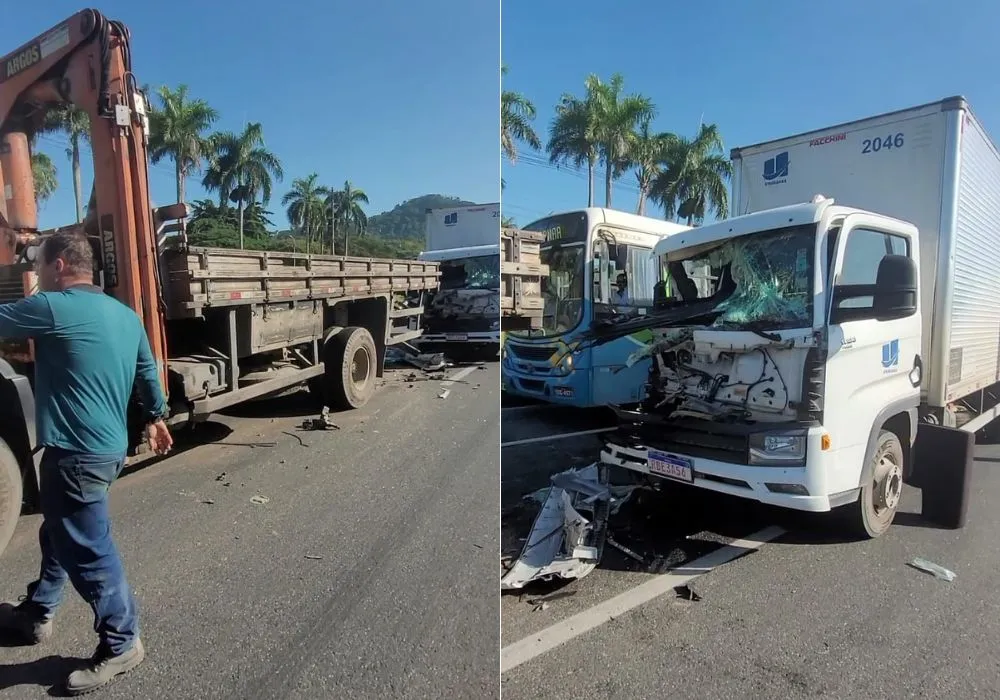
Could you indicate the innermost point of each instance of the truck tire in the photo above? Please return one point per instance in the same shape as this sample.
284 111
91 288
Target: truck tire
872 514
350 358
11 494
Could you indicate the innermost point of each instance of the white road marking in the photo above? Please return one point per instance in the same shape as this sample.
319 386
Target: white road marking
556 436
517 653
460 374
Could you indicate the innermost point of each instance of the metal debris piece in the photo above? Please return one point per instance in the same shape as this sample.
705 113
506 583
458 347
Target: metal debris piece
208 502
321 423
933 569
563 543
444 393
540 607
314 557
259 500
626 551
685 593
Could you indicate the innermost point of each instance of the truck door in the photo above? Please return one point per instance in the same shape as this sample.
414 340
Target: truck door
870 369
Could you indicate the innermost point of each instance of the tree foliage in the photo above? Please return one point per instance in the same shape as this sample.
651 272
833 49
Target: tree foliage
179 131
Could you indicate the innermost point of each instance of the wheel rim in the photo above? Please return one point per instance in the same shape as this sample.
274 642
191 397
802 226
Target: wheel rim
361 363
887 485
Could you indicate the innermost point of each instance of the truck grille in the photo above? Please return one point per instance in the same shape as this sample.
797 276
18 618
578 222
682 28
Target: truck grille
690 437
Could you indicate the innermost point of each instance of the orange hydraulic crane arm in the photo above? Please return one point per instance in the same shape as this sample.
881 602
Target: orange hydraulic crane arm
86 61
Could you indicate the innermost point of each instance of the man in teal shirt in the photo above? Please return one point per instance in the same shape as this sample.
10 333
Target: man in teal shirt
90 351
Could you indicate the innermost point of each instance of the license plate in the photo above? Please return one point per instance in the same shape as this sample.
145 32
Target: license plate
563 391
670 466
456 336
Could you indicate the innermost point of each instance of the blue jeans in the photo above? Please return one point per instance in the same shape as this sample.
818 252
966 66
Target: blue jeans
76 543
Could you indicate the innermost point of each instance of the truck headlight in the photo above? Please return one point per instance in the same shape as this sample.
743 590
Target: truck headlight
779 449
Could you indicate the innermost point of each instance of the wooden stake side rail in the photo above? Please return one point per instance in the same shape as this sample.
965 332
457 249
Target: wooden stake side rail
196 277
521 274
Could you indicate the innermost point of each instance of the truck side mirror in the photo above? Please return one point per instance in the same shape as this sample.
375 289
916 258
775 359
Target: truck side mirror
895 288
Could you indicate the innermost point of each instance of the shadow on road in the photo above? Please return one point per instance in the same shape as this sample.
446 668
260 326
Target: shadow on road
48 672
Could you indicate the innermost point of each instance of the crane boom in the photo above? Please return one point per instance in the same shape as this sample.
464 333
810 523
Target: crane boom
86 61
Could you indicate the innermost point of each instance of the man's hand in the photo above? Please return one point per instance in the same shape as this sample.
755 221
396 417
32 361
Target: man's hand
159 437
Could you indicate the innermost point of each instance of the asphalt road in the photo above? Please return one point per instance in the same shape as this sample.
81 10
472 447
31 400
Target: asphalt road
369 572
806 615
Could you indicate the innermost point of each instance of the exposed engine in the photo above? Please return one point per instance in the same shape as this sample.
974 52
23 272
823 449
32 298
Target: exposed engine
717 376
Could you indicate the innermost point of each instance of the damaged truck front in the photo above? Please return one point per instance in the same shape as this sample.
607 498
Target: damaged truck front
830 335
758 388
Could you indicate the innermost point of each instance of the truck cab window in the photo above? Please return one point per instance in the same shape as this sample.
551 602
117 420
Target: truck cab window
865 250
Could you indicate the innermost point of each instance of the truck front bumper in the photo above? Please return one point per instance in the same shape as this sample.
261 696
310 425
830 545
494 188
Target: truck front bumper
795 488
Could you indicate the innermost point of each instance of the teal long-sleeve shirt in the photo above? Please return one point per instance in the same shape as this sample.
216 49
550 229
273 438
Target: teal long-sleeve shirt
90 350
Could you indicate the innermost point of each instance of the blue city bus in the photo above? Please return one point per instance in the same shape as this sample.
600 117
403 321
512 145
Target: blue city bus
587 252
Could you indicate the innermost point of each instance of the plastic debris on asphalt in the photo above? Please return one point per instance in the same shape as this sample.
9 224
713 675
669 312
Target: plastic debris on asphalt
562 543
933 569
259 500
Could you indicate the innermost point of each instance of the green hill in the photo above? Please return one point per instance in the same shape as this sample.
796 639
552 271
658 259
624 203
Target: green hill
407 220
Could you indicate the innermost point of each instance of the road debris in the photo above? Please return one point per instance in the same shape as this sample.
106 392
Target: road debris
314 557
429 362
540 607
323 422
444 393
626 551
259 500
208 501
563 543
685 593
933 569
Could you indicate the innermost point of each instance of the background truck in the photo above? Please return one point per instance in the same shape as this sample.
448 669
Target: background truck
461 227
838 326
462 318
225 326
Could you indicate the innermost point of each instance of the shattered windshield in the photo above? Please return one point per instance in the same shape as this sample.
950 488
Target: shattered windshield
479 272
565 252
761 280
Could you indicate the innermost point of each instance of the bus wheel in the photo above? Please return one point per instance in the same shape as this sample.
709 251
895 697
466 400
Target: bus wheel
873 512
350 358
11 494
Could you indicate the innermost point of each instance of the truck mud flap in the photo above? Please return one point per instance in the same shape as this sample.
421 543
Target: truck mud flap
942 469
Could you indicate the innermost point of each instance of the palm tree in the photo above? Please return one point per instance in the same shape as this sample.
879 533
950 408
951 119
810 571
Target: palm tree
647 154
306 208
177 131
694 177
617 117
45 176
573 137
346 207
516 114
75 123
241 168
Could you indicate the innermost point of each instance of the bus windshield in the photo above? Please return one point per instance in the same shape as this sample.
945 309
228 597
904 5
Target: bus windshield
565 252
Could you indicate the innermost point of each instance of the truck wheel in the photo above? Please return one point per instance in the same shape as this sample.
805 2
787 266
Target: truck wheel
11 494
873 512
350 358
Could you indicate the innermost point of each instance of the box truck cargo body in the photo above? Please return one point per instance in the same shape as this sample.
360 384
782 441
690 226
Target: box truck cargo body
461 227
935 167
853 299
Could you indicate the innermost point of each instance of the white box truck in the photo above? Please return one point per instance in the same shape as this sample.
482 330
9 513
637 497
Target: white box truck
462 227
857 297
462 318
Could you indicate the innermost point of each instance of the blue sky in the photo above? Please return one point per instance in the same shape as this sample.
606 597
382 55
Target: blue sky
760 69
398 97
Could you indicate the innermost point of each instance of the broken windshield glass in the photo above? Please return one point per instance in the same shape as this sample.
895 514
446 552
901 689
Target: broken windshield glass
761 279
